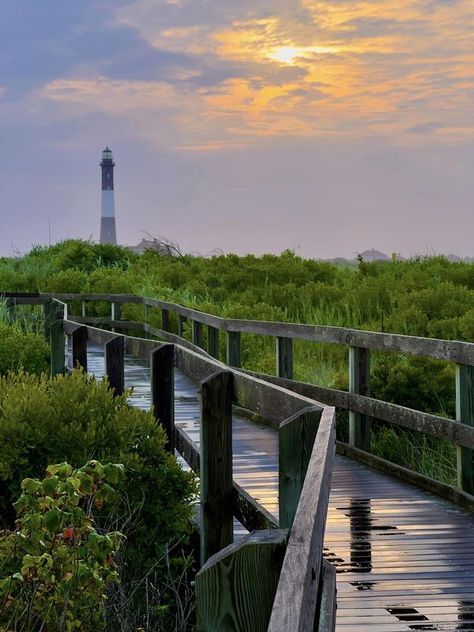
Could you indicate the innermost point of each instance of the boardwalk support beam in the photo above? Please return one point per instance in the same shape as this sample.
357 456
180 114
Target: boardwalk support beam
54 317
233 349
359 373
114 364
465 414
213 342
162 390
197 334
284 357
165 320
216 464
181 322
236 587
79 348
296 440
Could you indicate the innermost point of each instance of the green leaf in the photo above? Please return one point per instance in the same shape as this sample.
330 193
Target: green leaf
86 482
112 473
50 485
30 485
52 520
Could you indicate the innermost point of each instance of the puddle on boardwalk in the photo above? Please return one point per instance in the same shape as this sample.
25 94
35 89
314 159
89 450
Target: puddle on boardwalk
362 526
416 620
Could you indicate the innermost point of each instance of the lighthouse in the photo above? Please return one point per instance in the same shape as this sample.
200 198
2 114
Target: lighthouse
108 234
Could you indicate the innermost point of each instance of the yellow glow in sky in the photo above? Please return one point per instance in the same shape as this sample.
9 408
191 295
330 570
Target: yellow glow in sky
289 54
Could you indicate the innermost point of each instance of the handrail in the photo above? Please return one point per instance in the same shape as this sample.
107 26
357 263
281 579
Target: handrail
453 350
362 408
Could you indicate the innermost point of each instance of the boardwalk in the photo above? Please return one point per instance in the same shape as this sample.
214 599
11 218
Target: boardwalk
405 558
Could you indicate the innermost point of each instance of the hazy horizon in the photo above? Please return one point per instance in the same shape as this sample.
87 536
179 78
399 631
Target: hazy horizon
327 128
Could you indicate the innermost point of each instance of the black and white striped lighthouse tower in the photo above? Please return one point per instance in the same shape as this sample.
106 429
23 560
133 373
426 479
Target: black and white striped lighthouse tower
108 234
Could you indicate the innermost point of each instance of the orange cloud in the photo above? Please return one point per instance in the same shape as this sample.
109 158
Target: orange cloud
376 67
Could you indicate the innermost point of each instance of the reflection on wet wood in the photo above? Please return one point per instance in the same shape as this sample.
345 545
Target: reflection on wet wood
404 558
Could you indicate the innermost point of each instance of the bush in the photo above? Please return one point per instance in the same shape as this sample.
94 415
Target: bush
73 418
22 350
55 566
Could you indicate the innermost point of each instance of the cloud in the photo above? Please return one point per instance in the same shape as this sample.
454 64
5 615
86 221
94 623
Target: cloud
194 73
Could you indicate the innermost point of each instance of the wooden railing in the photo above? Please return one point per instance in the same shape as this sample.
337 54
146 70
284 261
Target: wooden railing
275 579
361 407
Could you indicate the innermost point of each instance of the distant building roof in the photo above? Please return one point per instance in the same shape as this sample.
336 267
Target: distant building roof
151 244
374 255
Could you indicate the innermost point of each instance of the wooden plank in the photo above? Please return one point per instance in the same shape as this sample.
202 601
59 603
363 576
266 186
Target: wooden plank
453 494
115 311
272 403
465 414
79 347
165 320
182 320
296 597
327 601
359 376
114 364
284 357
296 440
197 334
213 342
162 390
248 511
236 588
216 464
433 425
233 349
56 337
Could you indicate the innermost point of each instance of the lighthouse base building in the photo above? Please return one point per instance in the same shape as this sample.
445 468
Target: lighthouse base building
108 234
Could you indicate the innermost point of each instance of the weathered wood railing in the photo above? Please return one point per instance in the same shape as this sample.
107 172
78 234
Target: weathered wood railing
275 579
361 407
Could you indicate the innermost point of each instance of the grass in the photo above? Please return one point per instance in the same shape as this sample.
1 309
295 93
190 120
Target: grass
432 457
29 320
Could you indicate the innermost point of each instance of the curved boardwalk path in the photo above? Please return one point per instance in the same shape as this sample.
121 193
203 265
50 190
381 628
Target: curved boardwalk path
405 558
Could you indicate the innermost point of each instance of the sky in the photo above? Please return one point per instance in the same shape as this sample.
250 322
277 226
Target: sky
240 126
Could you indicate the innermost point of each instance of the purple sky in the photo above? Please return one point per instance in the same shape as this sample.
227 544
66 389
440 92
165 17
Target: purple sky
249 126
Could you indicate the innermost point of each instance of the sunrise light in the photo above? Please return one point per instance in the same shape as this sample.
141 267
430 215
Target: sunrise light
289 54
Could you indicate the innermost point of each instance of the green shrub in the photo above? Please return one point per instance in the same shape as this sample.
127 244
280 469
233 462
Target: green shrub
73 418
55 566
22 350
420 383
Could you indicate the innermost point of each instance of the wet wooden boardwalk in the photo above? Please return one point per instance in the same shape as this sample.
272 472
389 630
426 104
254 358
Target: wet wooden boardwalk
405 558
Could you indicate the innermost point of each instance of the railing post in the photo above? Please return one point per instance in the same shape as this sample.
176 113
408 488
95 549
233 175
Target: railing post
197 334
55 318
233 349
236 588
181 321
114 364
216 464
465 414
359 379
79 347
162 390
83 309
115 312
284 357
296 440
165 320
213 342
